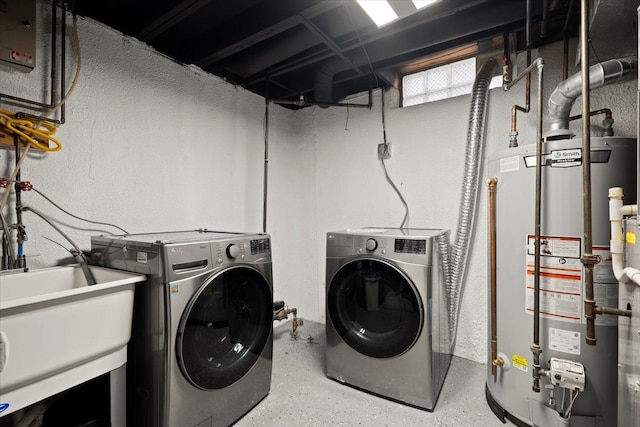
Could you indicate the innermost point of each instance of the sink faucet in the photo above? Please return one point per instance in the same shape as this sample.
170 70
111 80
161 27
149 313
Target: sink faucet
76 252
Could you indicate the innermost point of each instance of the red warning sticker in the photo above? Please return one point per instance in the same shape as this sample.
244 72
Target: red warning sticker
21 57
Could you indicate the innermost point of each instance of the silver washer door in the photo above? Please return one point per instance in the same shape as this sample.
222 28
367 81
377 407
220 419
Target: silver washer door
225 328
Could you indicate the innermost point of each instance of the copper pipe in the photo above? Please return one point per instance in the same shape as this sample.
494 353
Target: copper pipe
513 134
266 158
613 311
535 347
283 314
565 47
605 111
607 122
495 361
588 260
565 58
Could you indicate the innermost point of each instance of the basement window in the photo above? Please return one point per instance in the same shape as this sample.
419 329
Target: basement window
445 81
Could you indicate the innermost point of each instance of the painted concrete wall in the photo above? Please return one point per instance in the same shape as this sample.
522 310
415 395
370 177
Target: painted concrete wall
149 144
153 145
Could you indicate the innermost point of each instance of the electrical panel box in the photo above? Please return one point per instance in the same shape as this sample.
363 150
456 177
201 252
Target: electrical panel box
18 34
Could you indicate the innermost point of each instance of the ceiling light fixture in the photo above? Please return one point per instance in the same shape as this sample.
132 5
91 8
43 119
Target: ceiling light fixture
384 11
380 11
419 4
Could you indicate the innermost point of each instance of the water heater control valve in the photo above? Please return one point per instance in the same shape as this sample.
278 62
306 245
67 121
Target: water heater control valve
567 374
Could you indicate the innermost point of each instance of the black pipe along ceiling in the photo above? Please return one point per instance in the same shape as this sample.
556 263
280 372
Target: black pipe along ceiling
323 50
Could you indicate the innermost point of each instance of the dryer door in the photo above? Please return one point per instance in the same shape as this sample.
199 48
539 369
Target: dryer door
225 328
375 308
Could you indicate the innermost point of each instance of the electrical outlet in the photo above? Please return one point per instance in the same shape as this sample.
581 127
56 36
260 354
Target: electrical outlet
384 151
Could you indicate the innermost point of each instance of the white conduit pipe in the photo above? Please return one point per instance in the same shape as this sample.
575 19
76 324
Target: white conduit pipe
473 161
616 212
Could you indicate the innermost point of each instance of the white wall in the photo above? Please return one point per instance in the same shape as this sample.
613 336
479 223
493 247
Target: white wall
149 144
153 145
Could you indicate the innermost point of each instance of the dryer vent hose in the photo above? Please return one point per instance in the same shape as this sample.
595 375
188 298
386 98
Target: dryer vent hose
473 162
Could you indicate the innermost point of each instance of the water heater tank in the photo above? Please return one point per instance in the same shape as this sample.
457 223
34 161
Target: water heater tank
562 322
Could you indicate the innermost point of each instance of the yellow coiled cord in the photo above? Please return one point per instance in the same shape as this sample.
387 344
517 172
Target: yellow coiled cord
29 130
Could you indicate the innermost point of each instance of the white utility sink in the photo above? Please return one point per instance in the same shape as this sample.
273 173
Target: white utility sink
56 332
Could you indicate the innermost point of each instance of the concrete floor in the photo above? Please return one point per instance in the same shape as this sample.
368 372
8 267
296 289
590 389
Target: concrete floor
302 395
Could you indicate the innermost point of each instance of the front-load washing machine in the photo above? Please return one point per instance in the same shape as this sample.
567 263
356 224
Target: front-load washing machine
201 346
387 324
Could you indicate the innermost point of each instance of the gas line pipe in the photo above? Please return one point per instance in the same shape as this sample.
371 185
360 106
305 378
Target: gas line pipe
495 360
535 346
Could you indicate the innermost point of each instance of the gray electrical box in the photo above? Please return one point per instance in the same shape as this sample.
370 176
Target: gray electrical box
18 29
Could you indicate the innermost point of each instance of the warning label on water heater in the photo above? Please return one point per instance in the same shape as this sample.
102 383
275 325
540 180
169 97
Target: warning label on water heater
560 278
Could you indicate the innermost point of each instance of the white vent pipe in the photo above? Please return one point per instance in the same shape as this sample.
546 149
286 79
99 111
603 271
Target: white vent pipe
616 213
565 94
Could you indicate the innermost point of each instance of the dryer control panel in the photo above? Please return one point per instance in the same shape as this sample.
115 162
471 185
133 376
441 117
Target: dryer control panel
410 246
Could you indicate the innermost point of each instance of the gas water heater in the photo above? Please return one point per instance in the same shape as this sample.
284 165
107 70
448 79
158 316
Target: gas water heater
579 387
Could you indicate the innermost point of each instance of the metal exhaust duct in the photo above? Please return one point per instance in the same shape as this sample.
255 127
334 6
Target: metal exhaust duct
565 94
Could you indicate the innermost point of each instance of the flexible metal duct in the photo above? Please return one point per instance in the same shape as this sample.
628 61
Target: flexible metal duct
473 161
565 94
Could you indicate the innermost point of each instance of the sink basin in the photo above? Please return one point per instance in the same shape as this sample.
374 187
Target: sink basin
56 332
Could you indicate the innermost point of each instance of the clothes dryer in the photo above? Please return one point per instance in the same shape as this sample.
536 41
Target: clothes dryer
387 324
201 346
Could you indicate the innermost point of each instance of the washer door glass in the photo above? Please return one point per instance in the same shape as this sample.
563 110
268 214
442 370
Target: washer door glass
225 328
375 308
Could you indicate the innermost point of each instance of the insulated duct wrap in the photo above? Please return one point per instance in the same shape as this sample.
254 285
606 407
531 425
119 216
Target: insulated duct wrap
473 162
565 94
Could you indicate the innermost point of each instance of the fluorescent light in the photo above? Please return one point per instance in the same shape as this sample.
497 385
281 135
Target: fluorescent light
419 4
379 10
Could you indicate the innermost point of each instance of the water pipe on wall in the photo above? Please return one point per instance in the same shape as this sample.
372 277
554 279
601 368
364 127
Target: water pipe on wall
30 129
513 134
282 312
535 346
607 122
611 71
266 159
588 259
565 42
21 260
